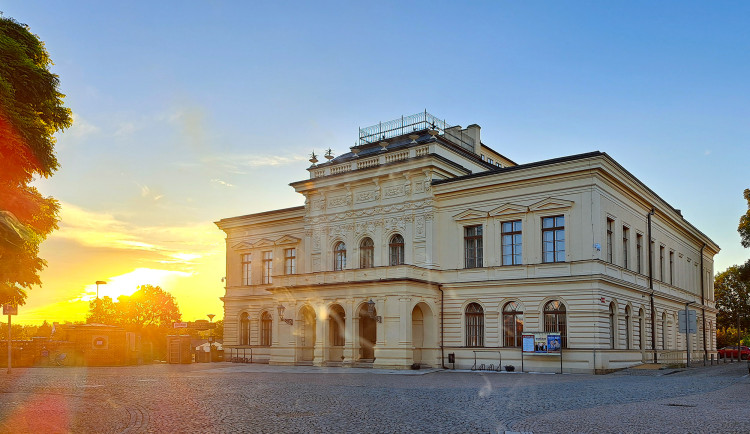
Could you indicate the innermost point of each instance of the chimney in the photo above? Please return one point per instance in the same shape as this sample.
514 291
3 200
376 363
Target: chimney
473 132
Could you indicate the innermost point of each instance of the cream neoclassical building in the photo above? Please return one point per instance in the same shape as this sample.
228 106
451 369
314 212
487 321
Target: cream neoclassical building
422 242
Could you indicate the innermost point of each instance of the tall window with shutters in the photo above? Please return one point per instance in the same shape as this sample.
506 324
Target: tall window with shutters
512 324
396 250
339 256
474 325
266 323
473 246
553 239
555 320
512 242
366 253
247 263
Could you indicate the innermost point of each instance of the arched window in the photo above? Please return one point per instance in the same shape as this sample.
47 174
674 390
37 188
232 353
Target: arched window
366 253
245 329
265 329
628 338
641 328
612 325
663 330
554 320
512 324
474 325
339 256
396 250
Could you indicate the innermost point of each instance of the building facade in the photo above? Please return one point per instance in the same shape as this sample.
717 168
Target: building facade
422 242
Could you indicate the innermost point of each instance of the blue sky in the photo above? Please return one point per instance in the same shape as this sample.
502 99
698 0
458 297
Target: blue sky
188 112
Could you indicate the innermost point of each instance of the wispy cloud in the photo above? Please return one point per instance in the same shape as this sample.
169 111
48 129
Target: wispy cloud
125 129
147 193
177 244
81 127
239 164
220 182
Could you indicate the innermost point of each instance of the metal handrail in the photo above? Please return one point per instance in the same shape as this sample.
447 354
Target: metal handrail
410 124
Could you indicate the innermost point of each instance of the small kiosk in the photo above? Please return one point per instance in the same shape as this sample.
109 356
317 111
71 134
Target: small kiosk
179 349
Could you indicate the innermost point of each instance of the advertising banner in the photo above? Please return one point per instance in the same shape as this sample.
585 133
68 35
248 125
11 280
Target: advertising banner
542 343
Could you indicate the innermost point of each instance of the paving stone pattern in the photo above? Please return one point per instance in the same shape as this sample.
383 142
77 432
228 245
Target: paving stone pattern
225 397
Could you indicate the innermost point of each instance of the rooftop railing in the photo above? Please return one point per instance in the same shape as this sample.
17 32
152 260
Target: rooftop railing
412 123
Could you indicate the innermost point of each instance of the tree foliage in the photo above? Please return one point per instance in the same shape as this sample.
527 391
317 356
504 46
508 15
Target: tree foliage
732 293
148 307
744 227
31 112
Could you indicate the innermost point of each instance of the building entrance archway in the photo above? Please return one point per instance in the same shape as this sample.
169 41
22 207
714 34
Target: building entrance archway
423 334
368 334
336 333
306 334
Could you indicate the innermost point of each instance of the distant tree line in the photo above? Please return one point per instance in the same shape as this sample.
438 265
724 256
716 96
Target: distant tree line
732 293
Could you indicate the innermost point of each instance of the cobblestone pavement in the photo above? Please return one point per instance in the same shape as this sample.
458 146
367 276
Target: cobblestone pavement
225 397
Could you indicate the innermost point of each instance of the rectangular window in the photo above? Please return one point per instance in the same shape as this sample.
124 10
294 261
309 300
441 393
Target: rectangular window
247 262
610 253
671 267
553 239
639 252
625 241
512 243
651 262
473 246
290 261
267 266
661 263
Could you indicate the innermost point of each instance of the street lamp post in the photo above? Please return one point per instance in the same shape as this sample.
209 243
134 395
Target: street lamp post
99 282
687 332
210 340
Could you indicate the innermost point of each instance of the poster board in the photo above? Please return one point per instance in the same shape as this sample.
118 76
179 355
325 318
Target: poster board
542 343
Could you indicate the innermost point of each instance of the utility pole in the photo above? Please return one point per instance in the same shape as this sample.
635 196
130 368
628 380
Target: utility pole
739 338
9 344
99 282
10 309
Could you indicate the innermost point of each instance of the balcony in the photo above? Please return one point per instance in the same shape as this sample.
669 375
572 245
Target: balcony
355 275
366 163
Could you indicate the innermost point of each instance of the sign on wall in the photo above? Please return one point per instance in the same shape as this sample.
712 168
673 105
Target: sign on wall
692 321
542 343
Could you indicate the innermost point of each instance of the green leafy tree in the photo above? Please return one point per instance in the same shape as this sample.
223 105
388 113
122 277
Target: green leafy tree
31 112
732 293
149 311
150 306
744 227
103 311
217 333
44 330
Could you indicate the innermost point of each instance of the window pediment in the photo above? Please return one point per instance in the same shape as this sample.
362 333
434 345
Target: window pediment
508 209
287 239
551 204
243 245
263 243
470 214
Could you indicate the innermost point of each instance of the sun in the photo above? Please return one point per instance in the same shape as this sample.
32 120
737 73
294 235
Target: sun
127 284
